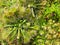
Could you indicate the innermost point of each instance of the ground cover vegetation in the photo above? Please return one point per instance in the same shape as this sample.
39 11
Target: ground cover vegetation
29 22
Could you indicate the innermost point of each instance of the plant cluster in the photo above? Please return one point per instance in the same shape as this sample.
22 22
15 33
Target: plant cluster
29 22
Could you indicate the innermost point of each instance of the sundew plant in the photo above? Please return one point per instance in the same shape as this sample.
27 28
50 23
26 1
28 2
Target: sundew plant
29 22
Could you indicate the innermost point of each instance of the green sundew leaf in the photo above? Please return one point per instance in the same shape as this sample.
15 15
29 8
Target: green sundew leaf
23 32
32 12
29 35
26 39
13 34
13 9
26 36
28 24
8 25
24 21
12 37
18 35
22 11
36 27
6 33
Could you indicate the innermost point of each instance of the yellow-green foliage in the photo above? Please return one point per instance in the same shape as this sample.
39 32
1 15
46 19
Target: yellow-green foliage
29 22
